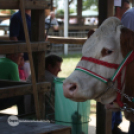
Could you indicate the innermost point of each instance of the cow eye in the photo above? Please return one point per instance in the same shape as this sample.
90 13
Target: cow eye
109 51
106 52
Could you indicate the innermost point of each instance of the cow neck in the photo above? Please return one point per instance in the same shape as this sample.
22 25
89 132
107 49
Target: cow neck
117 75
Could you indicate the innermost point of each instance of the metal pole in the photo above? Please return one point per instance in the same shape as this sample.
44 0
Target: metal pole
66 25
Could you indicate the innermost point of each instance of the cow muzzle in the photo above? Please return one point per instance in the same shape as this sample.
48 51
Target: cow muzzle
69 89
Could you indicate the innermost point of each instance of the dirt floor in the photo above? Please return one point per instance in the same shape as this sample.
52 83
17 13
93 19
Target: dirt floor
92 124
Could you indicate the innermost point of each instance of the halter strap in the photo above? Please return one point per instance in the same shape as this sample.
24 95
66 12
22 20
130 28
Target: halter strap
100 62
129 58
117 75
99 77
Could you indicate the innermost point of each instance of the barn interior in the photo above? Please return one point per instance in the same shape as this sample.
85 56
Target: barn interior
60 41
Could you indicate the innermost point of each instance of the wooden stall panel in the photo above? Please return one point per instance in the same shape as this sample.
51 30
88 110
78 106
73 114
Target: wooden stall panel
11 91
32 127
14 4
21 47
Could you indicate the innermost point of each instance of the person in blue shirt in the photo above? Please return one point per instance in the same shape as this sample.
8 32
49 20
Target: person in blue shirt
16 27
17 34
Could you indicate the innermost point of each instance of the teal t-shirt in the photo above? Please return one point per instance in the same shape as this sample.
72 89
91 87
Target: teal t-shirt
8 70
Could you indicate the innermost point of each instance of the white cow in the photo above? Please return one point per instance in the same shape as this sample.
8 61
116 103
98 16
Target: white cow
110 43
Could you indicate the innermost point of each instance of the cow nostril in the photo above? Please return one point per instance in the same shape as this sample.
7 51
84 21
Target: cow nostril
73 87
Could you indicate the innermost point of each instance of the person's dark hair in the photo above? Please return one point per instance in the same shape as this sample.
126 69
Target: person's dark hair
124 1
52 60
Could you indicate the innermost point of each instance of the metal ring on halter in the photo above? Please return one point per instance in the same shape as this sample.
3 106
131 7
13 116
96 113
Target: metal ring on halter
110 84
124 107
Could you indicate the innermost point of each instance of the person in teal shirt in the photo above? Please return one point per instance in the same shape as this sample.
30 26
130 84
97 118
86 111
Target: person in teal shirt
9 71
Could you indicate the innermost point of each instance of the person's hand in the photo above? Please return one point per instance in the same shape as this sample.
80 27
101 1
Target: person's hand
55 27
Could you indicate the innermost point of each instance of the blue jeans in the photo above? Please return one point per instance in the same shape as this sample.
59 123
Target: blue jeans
116 119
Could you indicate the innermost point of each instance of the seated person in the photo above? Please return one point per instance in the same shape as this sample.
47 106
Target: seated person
53 67
9 71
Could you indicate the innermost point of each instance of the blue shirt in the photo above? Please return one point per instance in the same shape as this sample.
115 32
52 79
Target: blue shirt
116 118
54 22
128 19
16 26
17 30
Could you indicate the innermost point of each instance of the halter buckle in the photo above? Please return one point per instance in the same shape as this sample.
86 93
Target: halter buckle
124 107
110 84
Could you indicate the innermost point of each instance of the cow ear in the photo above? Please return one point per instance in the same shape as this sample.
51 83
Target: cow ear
126 41
90 32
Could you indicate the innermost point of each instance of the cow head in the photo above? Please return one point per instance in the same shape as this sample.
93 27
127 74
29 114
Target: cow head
110 42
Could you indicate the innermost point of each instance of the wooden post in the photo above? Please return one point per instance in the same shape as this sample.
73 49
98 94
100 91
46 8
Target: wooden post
38 24
102 10
100 119
79 12
110 8
104 117
35 92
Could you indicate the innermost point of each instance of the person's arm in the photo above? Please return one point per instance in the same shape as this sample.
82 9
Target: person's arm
56 25
14 27
128 21
14 73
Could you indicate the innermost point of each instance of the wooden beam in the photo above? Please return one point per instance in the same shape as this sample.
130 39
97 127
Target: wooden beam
24 89
14 4
63 40
4 27
3 17
74 16
5 37
38 46
79 28
21 47
5 83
